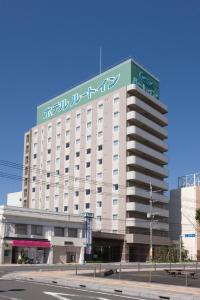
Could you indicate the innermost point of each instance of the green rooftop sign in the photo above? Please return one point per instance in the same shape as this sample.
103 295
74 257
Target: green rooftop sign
107 82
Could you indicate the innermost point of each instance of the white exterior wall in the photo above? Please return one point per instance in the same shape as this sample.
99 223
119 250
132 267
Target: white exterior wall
14 199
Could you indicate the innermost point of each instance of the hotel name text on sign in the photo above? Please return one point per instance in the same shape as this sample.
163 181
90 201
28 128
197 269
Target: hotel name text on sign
107 82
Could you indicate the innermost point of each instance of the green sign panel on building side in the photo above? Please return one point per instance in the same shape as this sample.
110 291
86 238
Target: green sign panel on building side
107 82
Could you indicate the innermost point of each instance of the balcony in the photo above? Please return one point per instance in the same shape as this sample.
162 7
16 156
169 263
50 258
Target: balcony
134 206
135 90
144 179
146 138
137 119
136 104
144 239
142 223
146 166
144 194
146 152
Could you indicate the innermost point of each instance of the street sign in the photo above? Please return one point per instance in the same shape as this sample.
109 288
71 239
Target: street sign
189 235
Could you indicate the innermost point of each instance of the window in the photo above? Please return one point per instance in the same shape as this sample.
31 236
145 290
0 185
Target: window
58 124
72 232
34 155
116 114
115 187
57 172
115 172
115 157
48 174
100 147
87 191
114 217
100 161
36 229
67 133
99 189
100 133
87 205
89 137
48 162
76 206
89 111
115 201
66 170
87 177
116 100
100 106
58 148
77 154
89 124
77 128
99 175
57 160
66 157
68 120
87 164
21 229
58 231
76 193
78 116
7 253
67 145
33 190
49 127
49 139
58 136
77 141
100 120
88 151
48 186
65 195
65 208
77 167
116 142
34 178
98 218
116 128
99 204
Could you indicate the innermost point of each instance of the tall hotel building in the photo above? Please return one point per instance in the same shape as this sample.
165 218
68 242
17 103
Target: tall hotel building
97 148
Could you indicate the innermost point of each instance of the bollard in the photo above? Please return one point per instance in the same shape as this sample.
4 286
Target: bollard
120 269
186 279
149 276
155 267
95 272
76 272
138 267
196 265
100 269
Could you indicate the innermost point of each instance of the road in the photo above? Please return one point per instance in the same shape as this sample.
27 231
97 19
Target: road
26 290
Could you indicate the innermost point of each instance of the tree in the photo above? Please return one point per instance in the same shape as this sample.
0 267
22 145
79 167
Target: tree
197 217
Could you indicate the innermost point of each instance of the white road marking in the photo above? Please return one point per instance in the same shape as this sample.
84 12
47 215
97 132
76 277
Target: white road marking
59 296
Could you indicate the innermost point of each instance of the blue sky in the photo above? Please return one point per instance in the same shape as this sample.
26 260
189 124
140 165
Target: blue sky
47 46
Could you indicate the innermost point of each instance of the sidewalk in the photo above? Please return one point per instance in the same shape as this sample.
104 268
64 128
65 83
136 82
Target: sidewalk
131 288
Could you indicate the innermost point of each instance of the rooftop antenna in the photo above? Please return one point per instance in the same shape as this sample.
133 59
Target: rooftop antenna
100 59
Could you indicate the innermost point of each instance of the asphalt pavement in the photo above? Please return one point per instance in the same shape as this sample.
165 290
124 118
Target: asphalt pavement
23 290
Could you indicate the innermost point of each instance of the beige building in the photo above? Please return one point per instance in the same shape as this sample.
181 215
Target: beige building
97 148
35 236
184 201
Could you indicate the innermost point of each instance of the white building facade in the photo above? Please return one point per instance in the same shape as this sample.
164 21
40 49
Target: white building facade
35 236
97 148
14 199
184 201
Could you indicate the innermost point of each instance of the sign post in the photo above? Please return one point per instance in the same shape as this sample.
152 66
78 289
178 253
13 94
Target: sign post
88 217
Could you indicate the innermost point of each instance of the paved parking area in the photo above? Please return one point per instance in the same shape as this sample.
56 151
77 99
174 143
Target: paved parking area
192 278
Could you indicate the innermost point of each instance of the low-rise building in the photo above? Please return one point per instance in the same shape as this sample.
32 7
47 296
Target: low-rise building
14 199
184 201
39 236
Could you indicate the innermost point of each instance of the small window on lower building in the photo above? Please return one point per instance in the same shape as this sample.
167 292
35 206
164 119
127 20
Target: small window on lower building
65 208
36 230
114 217
87 191
76 206
72 232
56 209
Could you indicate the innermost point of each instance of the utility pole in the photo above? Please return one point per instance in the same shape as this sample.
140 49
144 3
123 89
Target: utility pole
180 248
151 225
